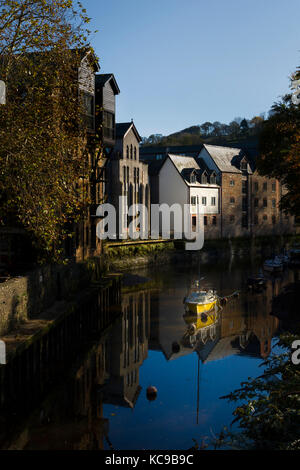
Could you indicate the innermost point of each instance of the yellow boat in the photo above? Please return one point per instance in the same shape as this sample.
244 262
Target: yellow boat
202 320
201 301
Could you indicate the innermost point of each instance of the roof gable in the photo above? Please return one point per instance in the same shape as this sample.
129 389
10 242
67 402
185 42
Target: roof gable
122 128
103 78
227 159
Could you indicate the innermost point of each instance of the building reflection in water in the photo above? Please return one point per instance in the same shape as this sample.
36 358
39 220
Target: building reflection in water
71 417
127 349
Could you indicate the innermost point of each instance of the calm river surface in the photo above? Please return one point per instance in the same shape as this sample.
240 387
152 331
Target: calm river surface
102 402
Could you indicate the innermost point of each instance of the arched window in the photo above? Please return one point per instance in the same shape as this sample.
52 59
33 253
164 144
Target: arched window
135 153
127 151
131 151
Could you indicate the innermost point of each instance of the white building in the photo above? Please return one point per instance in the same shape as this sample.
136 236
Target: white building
181 180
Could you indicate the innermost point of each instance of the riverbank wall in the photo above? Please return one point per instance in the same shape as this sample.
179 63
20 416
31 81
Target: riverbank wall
128 256
25 297
39 353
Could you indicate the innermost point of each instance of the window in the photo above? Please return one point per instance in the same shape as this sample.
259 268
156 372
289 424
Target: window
231 219
131 152
135 153
265 217
127 151
256 202
265 203
273 187
214 220
256 186
124 174
193 200
134 175
273 219
255 219
244 186
204 178
265 186
273 203
245 204
213 201
88 109
159 156
205 220
138 175
108 125
244 165
245 221
128 175
193 178
213 178
204 201
194 222
231 183
232 200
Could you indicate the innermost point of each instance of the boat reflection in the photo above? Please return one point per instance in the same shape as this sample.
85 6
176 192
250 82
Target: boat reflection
75 414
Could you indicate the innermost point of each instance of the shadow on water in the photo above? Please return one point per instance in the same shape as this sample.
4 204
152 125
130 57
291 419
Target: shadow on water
102 402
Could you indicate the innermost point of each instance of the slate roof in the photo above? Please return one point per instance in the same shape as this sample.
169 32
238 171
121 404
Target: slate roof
103 78
186 165
123 127
227 159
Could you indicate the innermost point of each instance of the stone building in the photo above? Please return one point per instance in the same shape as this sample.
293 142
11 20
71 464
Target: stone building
128 177
249 202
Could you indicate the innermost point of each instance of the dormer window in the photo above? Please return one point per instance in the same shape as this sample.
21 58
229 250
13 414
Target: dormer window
204 178
193 178
213 178
244 165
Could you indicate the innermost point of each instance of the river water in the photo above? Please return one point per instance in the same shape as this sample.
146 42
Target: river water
102 401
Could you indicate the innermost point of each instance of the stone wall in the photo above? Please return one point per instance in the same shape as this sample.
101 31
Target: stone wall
25 297
261 208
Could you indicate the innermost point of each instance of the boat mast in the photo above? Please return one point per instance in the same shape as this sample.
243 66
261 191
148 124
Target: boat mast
198 389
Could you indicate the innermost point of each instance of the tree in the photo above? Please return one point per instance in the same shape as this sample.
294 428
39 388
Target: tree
280 150
244 126
268 411
43 141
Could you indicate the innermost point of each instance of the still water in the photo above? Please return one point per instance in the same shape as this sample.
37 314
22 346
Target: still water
102 402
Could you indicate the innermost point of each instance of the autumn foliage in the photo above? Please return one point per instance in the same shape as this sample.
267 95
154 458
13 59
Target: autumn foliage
280 151
42 140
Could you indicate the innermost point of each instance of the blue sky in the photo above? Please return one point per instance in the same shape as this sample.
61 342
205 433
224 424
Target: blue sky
184 62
